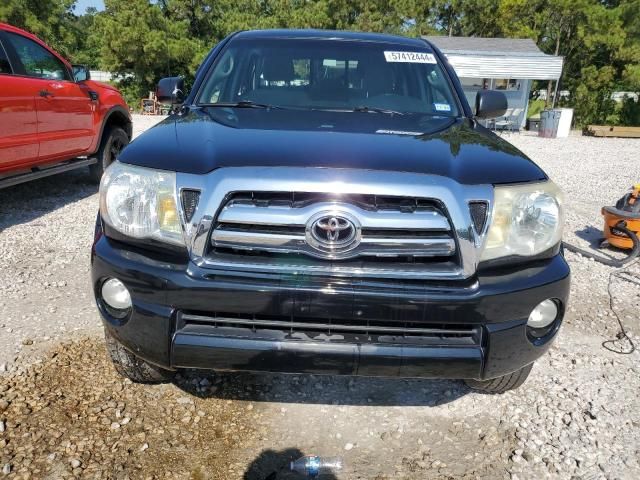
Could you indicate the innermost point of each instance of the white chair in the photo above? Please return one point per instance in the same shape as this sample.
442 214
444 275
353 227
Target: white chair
515 119
510 120
502 123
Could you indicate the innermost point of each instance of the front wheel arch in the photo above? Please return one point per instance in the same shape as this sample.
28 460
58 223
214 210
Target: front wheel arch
113 141
116 116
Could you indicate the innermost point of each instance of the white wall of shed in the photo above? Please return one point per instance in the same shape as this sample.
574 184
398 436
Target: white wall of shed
533 67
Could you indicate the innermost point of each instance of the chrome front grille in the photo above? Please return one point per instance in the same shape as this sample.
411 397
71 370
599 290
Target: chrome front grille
390 227
255 220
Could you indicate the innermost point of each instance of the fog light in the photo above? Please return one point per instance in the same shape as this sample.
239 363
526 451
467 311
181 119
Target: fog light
543 315
115 294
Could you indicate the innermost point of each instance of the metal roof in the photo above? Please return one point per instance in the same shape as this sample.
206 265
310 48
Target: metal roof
495 46
476 57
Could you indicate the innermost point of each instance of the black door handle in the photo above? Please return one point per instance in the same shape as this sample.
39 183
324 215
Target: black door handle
45 93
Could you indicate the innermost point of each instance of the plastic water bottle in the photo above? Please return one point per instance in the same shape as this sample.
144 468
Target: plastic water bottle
313 465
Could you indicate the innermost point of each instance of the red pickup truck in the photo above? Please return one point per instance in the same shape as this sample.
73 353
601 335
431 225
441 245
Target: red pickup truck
53 117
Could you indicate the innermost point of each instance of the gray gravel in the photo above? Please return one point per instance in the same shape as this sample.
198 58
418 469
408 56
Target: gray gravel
592 172
65 413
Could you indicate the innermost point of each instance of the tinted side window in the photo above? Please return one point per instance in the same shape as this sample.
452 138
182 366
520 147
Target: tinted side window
37 61
5 66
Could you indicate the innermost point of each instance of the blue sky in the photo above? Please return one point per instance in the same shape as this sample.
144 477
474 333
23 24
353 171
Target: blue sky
82 5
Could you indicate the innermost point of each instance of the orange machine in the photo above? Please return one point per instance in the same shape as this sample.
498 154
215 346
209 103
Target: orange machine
625 214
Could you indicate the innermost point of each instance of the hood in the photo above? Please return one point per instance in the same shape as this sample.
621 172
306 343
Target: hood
100 85
204 139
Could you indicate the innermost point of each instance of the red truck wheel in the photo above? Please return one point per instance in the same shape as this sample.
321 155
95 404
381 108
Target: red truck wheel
114 140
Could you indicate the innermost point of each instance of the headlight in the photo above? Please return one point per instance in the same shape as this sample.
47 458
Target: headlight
141 202
526 220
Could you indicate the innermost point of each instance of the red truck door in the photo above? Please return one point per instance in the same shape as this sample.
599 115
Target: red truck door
65 120
18 120
65 111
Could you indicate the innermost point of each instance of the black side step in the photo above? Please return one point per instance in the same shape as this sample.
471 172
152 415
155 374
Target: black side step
38 172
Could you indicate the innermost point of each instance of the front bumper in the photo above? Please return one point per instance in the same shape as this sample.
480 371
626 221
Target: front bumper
184 316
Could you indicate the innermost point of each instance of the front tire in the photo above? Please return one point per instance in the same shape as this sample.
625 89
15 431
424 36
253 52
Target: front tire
132 367
114 139
501 384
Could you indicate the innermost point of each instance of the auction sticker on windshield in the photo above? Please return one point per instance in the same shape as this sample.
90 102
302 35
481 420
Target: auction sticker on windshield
410 57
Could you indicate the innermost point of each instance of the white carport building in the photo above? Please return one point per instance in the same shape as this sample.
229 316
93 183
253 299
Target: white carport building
508 64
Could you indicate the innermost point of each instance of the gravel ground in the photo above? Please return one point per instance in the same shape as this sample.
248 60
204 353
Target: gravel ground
64 412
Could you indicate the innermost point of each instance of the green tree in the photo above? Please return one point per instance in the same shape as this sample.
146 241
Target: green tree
48 19
141 43
592 102
86 50
630 112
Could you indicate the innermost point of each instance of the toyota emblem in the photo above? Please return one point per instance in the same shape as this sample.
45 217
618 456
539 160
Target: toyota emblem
332 233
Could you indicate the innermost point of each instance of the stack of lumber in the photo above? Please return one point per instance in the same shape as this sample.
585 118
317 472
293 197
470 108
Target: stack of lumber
606 131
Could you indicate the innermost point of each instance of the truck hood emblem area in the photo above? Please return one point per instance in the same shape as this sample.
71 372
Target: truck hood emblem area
333 233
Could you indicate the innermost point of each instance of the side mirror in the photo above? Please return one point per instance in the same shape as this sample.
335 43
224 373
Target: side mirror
490 104
81 73
170 90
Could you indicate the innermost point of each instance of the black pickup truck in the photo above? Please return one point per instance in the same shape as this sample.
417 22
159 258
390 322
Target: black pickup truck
328 202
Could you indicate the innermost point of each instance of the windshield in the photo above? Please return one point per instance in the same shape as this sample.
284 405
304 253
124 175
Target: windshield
325 74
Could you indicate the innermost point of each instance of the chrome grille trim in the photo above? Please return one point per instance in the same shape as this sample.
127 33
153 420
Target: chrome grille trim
269 242
238 227
341 268
429 219
218 186
377 247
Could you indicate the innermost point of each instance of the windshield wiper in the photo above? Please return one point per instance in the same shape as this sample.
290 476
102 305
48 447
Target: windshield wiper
364 108
240 104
